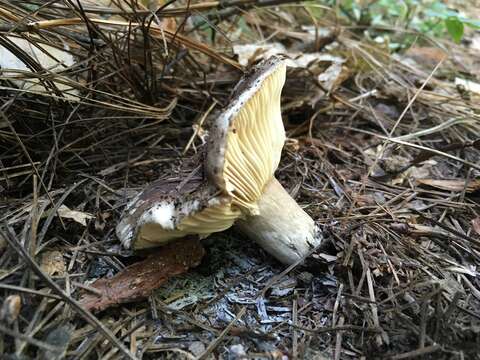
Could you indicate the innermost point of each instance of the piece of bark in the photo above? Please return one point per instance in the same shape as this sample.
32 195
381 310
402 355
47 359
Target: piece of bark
476 225
138 280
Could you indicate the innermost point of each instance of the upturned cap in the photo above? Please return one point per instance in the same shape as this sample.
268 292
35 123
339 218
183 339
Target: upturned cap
246 140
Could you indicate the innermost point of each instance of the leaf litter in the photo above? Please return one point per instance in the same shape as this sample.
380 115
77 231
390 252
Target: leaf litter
382 152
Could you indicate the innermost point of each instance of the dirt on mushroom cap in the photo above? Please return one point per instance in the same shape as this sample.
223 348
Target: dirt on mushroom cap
173 207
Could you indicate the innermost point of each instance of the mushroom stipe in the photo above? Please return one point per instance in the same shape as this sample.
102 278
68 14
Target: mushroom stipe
237 184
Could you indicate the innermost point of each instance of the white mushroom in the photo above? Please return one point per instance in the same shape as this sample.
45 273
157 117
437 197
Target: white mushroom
243 153
168 210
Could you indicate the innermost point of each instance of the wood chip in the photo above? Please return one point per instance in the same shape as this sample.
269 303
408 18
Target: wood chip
138 280
52 263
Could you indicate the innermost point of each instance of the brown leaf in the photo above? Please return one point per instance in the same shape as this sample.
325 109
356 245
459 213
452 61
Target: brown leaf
476 225
452 185
138 280
333 77
78 216
170 24
10 308
52 263
3 243
426 56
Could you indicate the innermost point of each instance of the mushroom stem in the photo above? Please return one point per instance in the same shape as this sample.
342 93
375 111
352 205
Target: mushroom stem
282 228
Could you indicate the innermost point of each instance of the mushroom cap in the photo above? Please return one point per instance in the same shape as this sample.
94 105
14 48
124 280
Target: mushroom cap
246 140
168 209
243 152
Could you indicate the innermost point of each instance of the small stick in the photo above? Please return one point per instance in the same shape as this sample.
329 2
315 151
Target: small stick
295 322
339 339
373 305
199 126
90 289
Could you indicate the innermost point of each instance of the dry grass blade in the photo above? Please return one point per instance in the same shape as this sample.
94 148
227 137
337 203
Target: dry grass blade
73 303
156 31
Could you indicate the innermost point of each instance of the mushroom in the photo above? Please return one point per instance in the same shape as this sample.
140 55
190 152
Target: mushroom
237 184
173 207
245 146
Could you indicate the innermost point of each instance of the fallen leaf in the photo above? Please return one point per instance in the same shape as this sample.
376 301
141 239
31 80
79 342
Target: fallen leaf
421 171
50 58
52 263
10 309
138 280
333 76
426 56
249 53
452 185
3 243
425 230
476 225
78 216
468 85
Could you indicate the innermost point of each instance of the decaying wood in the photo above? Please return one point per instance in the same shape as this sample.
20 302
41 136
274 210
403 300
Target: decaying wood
140 279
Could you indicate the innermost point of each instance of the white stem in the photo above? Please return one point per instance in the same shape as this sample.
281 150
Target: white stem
282 228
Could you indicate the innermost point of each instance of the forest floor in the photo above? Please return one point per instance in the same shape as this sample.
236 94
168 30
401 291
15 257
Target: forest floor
383 152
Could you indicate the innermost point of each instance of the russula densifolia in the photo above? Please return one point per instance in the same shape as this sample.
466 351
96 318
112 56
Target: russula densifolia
244 148
173 207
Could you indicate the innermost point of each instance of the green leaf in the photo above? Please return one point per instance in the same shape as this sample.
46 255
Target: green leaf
454 28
